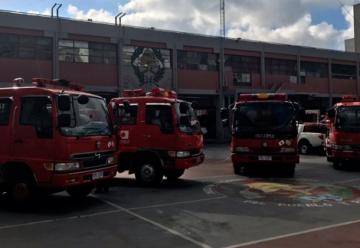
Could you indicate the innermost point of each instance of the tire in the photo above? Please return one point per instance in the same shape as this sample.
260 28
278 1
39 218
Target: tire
173 175
304 147
149 173
80 192
238 169
337 165
21 190
290 170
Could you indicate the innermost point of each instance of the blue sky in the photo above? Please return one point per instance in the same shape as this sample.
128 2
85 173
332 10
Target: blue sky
331 15
319 23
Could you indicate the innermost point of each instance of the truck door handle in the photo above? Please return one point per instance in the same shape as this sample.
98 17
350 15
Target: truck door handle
147 136
19 141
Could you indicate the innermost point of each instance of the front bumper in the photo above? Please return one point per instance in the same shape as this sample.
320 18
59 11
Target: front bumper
184 163
249 158
65 180
345 155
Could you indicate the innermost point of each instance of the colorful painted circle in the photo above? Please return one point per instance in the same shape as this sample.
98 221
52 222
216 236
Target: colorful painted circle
290 194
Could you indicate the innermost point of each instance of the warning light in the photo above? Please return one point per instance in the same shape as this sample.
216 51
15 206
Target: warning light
18 81
349 98
134 93
60 83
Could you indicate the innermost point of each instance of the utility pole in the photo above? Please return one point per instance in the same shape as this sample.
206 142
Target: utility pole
222 36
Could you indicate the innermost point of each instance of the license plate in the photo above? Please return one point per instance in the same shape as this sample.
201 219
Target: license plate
97 175
265 158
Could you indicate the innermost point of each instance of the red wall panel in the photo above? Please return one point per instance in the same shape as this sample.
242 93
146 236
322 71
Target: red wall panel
343 86
202 80
89 74
27 69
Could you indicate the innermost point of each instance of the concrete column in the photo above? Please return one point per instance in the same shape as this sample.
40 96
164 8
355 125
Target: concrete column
174 68
298 60
358 77
357 27
262 69
330 85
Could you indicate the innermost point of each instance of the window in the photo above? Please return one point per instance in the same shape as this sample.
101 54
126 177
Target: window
37 112
127 118
281 67
87 52
160 115
131 53
197 61
314 69
243 63
25 47
316 128
242 78
5 106
340 71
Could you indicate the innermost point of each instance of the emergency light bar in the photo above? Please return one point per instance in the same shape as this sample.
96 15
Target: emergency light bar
155 92
134 93
42 82
262 97
349 98
160 92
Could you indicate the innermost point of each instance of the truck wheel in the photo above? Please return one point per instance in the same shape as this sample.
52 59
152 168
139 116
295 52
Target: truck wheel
173 175
304 147
238 169
338 165
149 174
21 190
80 192
290 170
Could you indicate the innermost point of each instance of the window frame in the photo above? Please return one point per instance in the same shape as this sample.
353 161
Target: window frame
10 103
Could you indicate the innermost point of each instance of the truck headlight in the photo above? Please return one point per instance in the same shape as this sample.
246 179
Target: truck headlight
67 166
182 154
242 149
110 160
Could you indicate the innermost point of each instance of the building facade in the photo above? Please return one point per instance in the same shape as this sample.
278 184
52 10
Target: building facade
210 71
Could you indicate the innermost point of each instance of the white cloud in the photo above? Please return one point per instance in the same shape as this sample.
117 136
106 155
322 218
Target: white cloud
100 15
280 21
45 12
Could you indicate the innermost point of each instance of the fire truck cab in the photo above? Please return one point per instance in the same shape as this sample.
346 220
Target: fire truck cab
343 141
264 132
158 135
53 138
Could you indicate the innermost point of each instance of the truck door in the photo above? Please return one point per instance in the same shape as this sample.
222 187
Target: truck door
33 134
5 110
128 134
160 129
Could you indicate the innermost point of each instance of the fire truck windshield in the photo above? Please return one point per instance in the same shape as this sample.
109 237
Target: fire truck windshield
348 118
88 118
264 116
187 119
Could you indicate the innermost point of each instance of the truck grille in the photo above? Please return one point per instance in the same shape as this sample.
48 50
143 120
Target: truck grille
92 160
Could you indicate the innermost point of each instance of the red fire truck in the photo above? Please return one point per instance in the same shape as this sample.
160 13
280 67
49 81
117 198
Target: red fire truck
343 141
263 132
158 135
53 138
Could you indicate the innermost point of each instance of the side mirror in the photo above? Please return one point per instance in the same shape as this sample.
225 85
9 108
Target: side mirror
225 122
64 103
127 107
331 114
64 120
183 108
224 113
